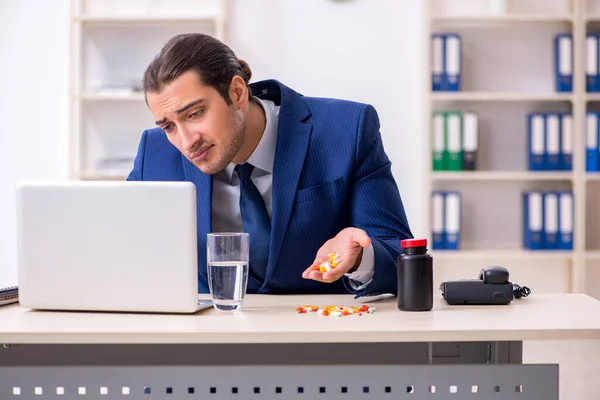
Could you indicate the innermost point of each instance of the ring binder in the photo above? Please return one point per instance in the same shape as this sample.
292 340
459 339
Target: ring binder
9 295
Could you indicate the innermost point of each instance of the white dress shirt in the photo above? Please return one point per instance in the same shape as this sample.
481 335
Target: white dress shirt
226 215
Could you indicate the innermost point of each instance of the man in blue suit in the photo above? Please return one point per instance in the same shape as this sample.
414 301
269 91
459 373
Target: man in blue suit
306 177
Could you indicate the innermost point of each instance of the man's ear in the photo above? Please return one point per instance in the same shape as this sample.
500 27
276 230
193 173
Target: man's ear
238 93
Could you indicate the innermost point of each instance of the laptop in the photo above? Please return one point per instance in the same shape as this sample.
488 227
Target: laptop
108 246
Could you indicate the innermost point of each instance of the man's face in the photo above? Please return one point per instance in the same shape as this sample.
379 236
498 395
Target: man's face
198 122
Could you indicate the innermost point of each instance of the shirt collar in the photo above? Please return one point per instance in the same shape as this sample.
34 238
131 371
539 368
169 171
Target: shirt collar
263 156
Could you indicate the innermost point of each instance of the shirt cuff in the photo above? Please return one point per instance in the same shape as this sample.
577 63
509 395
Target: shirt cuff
363 275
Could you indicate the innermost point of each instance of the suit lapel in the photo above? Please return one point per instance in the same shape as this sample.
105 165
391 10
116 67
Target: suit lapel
293 135
203 184
292 143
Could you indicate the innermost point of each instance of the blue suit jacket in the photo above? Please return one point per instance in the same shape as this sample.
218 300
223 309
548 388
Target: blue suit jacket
330 173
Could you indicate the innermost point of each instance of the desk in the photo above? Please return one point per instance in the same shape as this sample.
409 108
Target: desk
270 352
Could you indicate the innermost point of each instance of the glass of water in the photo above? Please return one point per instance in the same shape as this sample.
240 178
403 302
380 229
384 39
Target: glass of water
227 257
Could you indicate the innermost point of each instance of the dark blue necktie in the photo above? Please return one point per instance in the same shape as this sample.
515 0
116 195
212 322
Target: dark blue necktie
255 221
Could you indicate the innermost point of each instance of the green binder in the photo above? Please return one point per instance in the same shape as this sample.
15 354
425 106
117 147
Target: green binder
439 141
454 151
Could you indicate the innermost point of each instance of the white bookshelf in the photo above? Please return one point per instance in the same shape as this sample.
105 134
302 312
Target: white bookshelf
501 176
514 47
494 18
491 96
112 42
505 254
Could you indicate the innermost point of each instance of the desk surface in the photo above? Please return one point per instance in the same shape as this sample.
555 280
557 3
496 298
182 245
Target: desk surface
272 319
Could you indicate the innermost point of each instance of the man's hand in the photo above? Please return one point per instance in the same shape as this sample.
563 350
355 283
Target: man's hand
348 244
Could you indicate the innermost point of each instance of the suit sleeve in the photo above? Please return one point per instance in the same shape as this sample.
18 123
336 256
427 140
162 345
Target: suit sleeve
137 173
376 206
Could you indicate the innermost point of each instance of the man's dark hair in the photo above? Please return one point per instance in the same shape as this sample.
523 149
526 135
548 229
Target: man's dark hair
214 62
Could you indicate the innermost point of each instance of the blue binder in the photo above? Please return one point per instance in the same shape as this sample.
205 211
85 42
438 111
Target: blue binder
537 141
452 62
550 220
437 220
563 62
566 142
437 61
553 142
592 156
565 220
533 220
452 220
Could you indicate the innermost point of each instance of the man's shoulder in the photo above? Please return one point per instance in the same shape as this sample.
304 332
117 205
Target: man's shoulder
343 115
319 106
328 104
155 134
155 140
158 150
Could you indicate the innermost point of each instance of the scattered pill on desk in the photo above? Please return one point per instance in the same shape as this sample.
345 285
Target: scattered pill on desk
305 309
336 311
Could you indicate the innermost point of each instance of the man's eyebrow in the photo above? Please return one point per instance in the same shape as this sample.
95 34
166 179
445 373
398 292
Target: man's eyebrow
189 105
182 109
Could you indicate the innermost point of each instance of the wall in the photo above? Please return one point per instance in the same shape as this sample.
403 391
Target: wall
33 106
369 51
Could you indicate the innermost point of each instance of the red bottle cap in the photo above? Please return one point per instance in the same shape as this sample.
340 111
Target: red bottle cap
413 243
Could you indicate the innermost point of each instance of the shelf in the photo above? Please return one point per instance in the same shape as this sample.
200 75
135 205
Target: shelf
592 96
592 177
500 96
501 254
592 255
507 18
98 19
116 96
501 176
95 177
507 58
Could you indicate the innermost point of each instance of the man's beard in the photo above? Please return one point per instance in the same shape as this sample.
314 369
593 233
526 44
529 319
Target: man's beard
231 147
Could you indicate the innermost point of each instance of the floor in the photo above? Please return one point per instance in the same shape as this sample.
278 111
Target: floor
579 363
